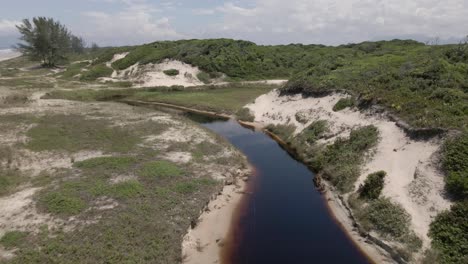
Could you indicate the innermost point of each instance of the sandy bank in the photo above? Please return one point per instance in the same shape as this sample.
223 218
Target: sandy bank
413 180
202 243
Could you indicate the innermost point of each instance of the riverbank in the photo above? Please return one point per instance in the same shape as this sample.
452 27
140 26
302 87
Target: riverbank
414 180
203 241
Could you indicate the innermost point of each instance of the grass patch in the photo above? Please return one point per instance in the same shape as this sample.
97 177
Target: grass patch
225 99
9 180
13 239
96 72
62 203
74 133
113 164
127 189
160 169
192 186
171 72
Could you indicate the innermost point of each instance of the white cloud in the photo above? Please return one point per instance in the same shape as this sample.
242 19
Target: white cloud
341 21
8 27
136 23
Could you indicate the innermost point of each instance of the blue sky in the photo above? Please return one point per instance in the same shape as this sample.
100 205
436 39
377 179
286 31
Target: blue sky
123 22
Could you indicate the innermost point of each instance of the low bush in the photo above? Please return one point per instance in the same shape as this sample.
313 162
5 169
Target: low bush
455 163
344 103
373 185
245 114
171 72
285 132
204 77
127 189
315 131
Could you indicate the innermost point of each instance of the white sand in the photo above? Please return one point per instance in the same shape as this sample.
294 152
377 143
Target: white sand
421 196
6 54
151 75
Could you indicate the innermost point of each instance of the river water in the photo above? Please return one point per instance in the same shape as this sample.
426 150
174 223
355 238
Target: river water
284 219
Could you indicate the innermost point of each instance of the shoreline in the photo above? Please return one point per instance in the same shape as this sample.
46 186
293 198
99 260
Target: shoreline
203 243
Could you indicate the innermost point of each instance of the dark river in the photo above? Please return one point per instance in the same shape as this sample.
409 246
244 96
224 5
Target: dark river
284 219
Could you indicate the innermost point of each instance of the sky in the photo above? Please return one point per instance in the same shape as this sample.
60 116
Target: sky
329 22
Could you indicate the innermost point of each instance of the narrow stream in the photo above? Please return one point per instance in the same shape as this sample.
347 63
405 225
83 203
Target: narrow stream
284 219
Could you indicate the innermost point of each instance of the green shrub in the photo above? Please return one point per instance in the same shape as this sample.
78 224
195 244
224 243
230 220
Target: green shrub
13 239
160 169
245 114
204 77
449 234
171 72
96 72
343 103
373 185
455 163
315 131
340 162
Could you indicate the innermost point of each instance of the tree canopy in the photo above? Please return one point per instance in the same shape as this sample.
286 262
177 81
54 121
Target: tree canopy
47 40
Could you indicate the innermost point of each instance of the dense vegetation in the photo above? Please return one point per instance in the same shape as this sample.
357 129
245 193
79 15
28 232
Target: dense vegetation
425 85
449 232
